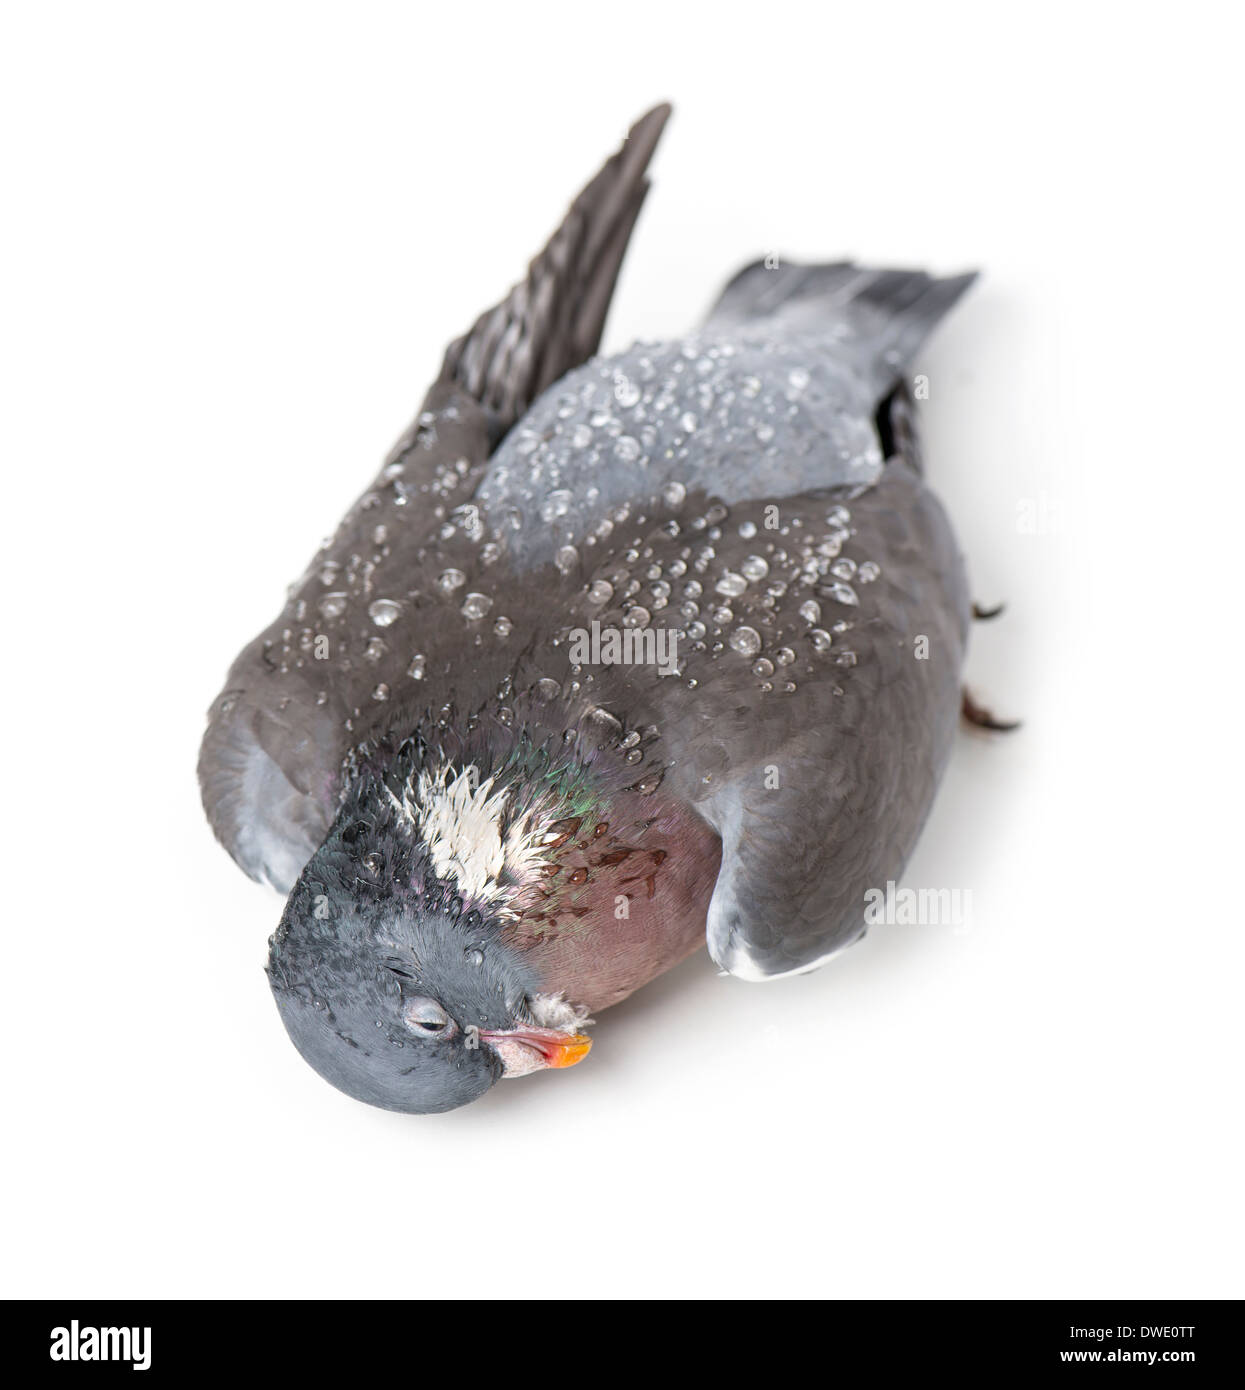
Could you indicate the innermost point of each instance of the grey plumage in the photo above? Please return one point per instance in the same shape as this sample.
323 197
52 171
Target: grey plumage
552 320
270 761
730 487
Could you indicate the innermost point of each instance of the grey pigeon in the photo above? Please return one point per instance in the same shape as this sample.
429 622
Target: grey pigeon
614 656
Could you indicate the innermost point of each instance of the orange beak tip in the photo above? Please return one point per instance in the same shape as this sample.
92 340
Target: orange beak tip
574 1050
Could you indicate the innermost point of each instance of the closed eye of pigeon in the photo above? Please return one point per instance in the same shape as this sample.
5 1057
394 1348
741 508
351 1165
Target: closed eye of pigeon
613 658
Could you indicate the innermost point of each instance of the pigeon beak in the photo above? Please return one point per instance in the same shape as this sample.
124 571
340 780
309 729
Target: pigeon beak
528 1049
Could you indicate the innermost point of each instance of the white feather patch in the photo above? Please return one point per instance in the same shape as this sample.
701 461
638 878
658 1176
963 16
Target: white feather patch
460 820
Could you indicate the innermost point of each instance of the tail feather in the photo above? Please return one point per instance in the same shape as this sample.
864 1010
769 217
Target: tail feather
878 318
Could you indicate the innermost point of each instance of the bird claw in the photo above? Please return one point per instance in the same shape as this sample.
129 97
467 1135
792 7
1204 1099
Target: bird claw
981 718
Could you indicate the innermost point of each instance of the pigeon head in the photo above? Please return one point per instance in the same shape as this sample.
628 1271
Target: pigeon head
393 989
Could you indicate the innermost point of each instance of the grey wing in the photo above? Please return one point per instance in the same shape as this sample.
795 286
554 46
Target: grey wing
820 784
817 695
270 762
552 320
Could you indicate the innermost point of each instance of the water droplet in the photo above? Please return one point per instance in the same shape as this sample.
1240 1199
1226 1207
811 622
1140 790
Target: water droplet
475 606
636 617
868 572
566 559
548 689
784 656
381 692
374 650
555 505
838 516
476 957
417 667
384 611
626 449
605 720
820 639
688 422
754 568
846 659
600 591
843 593
503 627
581 437
731 584
844 568
763 667
797 379
333 605
746 641
810 611
674 494
747 529
626 392
451 579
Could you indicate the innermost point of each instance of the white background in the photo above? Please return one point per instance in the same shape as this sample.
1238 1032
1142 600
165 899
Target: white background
237 239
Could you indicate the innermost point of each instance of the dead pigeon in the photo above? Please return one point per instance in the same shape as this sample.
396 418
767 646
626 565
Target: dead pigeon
615 656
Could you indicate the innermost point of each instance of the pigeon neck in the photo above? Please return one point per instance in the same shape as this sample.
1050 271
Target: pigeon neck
503 816
549 838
